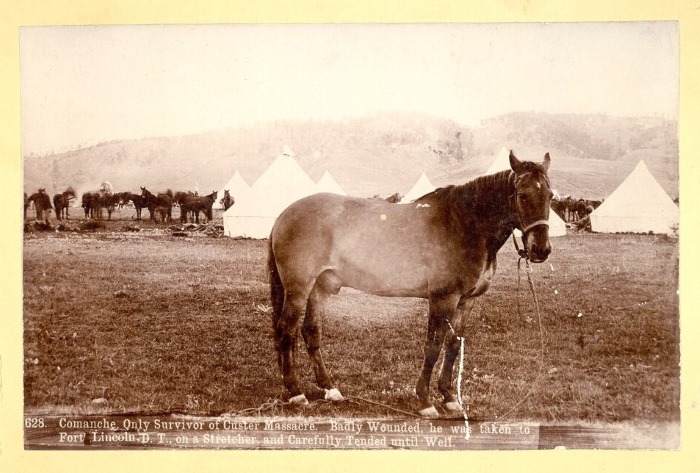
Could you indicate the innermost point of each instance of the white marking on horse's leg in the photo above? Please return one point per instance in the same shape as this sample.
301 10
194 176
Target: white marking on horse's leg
429 412
453 406
299 399
333 395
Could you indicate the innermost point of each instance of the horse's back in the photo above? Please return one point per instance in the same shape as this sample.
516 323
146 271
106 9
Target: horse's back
368 244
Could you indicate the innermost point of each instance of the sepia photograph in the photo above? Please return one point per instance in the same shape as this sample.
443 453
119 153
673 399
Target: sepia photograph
286 236
427 237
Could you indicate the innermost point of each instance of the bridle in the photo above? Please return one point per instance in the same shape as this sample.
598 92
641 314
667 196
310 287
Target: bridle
523 228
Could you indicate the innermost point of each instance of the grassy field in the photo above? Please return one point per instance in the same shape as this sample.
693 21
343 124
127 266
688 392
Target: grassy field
144 321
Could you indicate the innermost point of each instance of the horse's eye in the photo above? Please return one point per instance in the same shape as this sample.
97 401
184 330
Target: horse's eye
522 197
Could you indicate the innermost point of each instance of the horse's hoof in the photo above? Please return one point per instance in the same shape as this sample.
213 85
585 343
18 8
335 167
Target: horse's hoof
453 406
429 412
333 395
299 399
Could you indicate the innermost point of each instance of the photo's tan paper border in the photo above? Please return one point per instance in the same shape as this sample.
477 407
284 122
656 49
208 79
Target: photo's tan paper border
16 14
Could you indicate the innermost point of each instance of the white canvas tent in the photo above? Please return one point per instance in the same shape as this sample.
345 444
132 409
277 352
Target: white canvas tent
236 186
501 163
282 183
638 205
328 184
557 227
420 188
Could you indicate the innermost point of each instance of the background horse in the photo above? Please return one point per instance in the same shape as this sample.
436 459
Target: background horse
227 201
92 205
109 201
179 200
42 204
138 200
61 202
196 204
442 248
162 203
394 198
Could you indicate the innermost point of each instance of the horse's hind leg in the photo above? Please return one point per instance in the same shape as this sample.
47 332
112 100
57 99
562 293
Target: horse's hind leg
312 331
286 333
455 339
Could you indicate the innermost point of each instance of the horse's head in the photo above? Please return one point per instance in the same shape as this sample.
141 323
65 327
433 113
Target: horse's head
532 199
145 192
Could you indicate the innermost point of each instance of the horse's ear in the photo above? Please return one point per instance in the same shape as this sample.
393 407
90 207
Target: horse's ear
515 163
546 162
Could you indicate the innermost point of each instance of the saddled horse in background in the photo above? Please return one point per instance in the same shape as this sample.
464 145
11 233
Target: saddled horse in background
161 203
26 204
42 204
61 202
138 200
195 204
227 201
442 248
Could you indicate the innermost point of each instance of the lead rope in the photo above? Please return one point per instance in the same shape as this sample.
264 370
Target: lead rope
531 283
459 381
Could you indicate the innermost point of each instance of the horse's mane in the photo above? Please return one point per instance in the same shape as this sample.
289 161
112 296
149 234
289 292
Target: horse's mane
484 200
483 194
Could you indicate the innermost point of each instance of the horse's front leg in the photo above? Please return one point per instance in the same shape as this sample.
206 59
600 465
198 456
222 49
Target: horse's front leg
453 344
440 311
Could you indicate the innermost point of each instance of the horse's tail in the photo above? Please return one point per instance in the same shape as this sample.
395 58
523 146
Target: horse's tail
276 289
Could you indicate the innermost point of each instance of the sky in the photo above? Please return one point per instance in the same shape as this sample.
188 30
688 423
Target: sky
82 85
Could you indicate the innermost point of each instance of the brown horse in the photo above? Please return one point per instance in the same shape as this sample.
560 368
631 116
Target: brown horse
61 202
92 205
442 248
394 198
195 204
162 203
110 202
179 199
137 199
227 201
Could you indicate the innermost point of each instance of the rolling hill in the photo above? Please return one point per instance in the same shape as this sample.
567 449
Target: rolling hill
382 154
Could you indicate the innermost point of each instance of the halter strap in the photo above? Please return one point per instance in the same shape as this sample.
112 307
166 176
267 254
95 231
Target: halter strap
533 225
523 252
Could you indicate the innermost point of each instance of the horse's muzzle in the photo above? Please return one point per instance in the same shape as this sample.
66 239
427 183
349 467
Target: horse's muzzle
539 254
537 244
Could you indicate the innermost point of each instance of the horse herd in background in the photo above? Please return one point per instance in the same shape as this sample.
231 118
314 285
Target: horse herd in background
160 205
572 210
